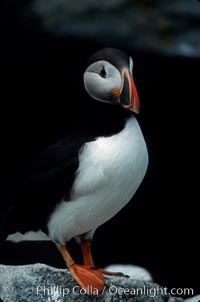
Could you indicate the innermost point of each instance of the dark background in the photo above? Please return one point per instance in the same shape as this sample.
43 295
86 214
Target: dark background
41 90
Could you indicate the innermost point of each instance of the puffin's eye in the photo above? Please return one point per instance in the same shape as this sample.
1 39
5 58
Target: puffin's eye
103 72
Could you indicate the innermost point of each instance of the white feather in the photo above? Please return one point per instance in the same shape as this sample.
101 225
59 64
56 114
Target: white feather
131 65
29 236
110 171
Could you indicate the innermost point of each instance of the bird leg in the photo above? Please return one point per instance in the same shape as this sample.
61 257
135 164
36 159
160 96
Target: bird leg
85 275
88 259
87 254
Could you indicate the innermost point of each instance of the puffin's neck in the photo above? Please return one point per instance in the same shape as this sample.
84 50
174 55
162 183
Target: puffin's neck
107 119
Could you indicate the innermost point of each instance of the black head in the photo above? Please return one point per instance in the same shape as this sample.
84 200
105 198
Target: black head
108 78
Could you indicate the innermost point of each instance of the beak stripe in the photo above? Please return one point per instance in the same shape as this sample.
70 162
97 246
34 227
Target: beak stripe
128 93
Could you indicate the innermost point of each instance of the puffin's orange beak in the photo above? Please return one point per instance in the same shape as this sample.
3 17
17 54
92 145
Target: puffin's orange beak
129 98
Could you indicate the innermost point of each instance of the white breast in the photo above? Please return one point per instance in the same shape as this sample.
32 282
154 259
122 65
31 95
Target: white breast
110 171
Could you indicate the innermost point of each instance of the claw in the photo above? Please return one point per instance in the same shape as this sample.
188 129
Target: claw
117 274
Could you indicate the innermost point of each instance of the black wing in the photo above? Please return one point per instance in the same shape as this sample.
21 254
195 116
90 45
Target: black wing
49 180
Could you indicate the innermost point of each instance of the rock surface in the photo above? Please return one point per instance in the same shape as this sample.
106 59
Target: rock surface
133 271
42 283
193 299
170 26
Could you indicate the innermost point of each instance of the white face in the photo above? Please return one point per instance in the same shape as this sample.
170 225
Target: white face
100 78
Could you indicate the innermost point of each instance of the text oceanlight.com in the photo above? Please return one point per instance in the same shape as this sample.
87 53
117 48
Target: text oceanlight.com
113 290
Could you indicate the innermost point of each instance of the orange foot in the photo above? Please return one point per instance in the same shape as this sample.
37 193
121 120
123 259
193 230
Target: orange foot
88 277
91 278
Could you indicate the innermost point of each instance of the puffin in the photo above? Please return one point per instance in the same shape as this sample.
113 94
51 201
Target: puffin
85 178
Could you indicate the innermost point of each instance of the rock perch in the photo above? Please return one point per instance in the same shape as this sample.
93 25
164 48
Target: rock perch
42 283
